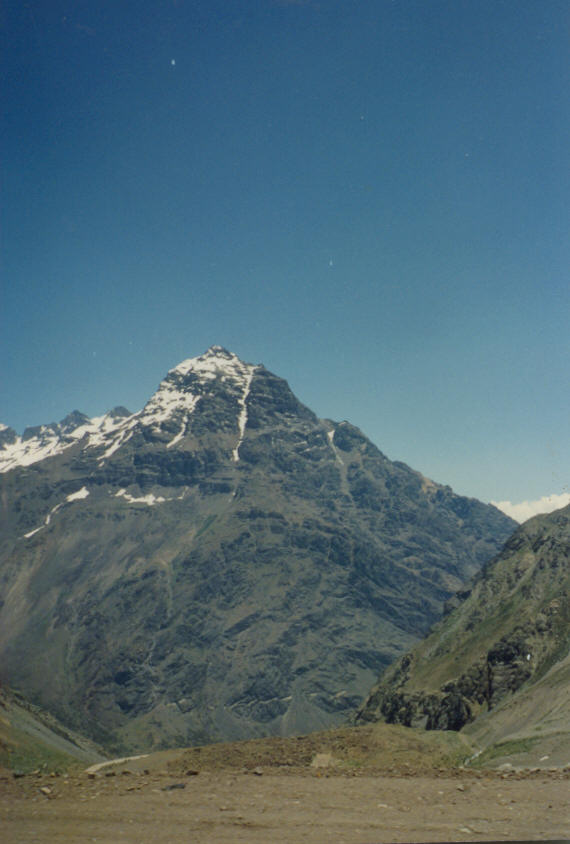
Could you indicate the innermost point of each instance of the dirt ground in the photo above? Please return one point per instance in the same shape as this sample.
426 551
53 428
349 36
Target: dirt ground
137 805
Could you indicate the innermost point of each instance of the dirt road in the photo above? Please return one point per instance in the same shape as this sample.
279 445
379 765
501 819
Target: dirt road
313 807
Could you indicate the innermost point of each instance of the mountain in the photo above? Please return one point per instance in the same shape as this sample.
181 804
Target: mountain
498 664
31 739
221 564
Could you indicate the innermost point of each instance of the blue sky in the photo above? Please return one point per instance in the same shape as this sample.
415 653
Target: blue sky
370 198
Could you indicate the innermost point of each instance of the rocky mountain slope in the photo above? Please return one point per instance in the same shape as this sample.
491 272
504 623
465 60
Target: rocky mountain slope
500 660
221 564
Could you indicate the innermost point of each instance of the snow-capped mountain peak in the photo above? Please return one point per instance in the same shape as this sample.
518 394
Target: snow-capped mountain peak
167 414
216 361
191 381
44 441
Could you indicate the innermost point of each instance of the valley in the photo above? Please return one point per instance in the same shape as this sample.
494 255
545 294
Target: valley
225 618
357 785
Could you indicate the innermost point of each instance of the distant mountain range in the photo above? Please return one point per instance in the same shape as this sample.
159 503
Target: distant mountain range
498 664
220 564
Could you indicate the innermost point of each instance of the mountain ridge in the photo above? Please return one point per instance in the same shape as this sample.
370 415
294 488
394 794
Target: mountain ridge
503 646
220 564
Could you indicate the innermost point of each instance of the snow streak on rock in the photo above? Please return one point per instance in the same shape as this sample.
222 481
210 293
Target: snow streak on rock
178 436
242 418
170 401
121 437
216 363
74 496
330 435
190 381
31 533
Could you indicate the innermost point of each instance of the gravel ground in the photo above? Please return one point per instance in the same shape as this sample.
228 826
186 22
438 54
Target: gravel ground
127 803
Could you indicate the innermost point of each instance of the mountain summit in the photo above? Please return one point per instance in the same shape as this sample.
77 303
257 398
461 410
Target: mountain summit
167 415
220 564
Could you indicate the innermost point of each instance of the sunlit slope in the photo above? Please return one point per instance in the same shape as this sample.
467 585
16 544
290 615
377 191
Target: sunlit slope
503 650
31 739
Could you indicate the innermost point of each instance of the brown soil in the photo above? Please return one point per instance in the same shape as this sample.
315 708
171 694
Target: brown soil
283 791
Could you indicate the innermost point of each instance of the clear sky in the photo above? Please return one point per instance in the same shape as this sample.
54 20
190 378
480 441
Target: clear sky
368 196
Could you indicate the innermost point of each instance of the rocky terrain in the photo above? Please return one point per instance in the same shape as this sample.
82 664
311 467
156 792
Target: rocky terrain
368 784
221 564
376 782
498 664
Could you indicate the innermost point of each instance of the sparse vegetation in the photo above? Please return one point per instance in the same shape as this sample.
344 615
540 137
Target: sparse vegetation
501 749
25 755
517 650
376 747
33 740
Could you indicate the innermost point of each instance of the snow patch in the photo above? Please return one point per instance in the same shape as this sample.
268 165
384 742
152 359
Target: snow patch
149 499
77 496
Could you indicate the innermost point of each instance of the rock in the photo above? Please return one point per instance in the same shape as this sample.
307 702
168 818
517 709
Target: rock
322 760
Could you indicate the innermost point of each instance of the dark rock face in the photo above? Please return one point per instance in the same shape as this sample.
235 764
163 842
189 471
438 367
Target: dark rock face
7 436
222 564
503 634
